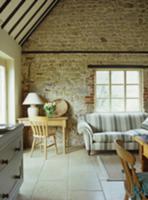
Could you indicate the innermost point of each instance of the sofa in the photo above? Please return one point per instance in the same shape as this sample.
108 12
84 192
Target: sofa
101 130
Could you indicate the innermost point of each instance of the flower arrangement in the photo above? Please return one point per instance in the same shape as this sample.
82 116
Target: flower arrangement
50 108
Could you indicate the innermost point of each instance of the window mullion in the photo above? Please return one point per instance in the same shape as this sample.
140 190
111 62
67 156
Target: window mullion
3 94
110 93
127 86
140 90
125 93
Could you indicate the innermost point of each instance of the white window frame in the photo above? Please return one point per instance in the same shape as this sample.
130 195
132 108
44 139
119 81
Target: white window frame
140 88
4 97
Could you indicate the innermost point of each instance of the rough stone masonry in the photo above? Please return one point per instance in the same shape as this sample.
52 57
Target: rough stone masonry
84 25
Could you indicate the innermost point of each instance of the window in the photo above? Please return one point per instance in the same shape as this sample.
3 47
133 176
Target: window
118 90
2 94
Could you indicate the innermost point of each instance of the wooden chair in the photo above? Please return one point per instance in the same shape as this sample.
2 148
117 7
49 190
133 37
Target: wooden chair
41 134
133 186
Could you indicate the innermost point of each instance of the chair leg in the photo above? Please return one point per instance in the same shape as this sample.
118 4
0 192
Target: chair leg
32 148
45 148
55 142
41 143
89 152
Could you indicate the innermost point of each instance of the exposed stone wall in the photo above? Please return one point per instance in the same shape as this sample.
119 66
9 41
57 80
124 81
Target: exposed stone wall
106 25
93 25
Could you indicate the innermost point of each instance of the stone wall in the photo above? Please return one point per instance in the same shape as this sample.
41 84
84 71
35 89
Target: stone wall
86 25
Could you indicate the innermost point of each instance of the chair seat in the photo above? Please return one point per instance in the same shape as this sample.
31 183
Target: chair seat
43 136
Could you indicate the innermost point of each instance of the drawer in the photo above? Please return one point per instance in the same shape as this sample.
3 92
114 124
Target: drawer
9 152
11 178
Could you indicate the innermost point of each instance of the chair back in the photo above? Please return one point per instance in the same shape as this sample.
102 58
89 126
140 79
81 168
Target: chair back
39 126
128 162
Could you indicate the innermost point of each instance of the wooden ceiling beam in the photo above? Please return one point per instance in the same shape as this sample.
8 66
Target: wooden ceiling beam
39 21
20 19
5 4
26 24
13 13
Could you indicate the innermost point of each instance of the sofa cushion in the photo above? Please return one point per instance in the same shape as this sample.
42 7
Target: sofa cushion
108 137
145 124
122 122
107 122
114 121
101 122
136 119
127 121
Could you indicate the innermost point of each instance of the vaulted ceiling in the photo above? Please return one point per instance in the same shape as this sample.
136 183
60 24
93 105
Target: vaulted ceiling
19 18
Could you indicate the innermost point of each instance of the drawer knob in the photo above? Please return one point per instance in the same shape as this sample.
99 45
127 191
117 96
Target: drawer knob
17 149
4 162
17 176
4 196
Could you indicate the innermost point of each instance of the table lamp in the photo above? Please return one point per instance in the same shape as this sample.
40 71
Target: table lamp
32 99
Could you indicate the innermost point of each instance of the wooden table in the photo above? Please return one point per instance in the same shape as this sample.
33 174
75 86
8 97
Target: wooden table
143 151
53 122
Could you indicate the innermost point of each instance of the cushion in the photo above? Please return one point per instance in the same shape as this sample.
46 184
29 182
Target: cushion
108 137
122 122
101 122
145 124
111 136
136 119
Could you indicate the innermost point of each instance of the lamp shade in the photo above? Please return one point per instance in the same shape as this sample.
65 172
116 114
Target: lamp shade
32 99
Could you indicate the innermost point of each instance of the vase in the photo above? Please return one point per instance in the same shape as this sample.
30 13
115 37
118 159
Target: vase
49 114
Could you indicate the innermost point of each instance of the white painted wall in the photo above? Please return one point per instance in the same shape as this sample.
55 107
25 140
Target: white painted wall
11 51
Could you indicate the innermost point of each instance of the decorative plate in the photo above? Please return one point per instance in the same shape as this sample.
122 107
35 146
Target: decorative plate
61 107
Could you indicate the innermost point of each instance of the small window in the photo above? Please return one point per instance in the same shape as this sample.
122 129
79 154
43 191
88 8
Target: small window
2 94
118 90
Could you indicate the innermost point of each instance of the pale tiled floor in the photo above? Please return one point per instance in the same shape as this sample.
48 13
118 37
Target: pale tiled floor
74 176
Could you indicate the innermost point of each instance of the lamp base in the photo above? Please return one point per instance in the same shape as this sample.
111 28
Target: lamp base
33 111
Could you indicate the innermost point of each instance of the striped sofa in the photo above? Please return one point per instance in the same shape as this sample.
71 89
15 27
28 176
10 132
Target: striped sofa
100 130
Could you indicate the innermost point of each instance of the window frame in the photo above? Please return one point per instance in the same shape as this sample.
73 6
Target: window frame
5 95
124 84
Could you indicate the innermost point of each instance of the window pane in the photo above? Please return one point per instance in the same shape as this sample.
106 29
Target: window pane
132 105
117 77
102 91
117 105
132 91
132 77
102 77
117 91
102 105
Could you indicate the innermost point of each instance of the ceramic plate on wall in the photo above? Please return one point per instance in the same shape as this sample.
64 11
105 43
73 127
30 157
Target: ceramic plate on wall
61 107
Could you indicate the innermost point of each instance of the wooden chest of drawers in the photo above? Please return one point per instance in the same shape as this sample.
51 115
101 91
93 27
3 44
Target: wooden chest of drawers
11 163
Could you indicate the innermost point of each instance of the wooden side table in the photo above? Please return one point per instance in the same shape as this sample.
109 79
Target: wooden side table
143 151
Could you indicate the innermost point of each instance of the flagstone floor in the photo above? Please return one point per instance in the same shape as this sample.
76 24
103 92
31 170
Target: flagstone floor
73 176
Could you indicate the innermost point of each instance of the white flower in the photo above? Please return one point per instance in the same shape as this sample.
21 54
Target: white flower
54 103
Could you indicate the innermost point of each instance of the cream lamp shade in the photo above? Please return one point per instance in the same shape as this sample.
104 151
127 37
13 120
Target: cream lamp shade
32 99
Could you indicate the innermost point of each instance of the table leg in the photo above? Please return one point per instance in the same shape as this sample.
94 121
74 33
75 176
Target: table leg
144 164
143 159
64 140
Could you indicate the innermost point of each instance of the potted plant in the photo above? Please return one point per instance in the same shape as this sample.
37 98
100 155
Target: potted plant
50 108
